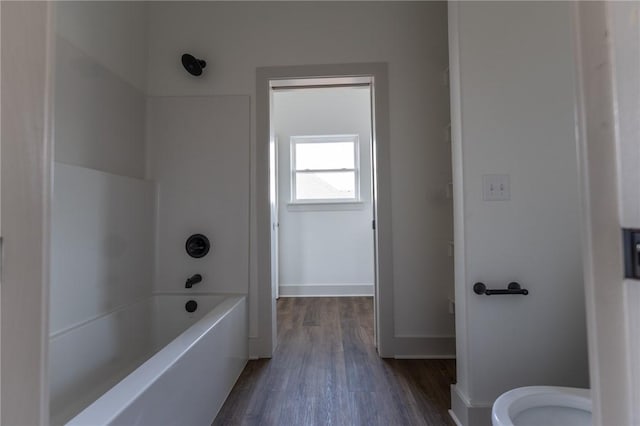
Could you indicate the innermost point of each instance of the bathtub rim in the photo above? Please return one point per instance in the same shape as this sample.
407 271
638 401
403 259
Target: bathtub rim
53 335
113 402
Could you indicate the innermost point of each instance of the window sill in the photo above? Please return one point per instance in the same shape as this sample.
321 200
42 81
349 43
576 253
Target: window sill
318 206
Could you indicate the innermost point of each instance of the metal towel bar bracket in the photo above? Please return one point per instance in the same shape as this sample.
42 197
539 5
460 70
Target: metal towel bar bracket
512 288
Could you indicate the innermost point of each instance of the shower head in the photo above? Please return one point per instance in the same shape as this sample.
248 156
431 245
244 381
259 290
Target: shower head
192 64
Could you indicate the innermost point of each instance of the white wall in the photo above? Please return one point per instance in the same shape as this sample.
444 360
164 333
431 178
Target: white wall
235 38
100 82
324 251
27 33
112 34
199 159
515 115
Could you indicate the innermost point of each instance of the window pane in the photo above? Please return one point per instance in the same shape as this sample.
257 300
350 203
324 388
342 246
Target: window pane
325 155
325 186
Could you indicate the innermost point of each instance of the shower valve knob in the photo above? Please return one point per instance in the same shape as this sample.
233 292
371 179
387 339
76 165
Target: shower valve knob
197 246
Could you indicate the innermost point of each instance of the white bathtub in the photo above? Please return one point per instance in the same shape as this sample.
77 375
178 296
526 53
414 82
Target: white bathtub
151 363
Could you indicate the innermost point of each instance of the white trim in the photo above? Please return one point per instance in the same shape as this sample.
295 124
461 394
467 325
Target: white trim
27 148
330 138
425 336
326 290
454 418
469 413
326 206
384 305
609 359
446 356
459 232
48 169
257 348
326 81
425 347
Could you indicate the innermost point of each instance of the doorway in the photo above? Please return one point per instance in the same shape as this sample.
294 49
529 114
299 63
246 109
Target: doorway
321 189
270 80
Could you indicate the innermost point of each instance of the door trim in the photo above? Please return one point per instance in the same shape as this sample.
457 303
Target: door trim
28 50
265 344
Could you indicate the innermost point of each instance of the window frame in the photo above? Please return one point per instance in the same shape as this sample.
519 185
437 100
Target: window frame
318 139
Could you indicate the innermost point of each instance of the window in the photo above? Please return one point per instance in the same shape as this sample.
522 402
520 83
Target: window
325 169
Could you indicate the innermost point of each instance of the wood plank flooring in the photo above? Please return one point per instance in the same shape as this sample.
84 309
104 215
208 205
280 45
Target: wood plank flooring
326 371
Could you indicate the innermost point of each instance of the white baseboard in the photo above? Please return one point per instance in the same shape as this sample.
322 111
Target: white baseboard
256 349
425 347
465 413
454 418
425 356
325 290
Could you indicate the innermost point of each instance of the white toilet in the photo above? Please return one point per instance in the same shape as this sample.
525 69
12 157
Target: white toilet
543 406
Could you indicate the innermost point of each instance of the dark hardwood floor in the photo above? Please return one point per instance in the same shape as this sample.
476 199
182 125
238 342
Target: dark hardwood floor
326 371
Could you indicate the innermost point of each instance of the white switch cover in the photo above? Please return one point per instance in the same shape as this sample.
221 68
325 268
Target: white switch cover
495 188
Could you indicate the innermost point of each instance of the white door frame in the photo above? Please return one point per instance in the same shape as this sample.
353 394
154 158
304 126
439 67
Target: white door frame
28 37
274 202
384 321
606 126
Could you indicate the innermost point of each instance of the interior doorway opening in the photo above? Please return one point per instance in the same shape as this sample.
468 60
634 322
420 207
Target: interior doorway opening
375 75
321 189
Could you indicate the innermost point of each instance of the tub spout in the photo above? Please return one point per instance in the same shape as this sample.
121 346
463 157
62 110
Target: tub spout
195 279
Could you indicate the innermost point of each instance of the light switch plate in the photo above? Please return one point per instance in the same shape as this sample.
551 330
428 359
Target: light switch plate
496 188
